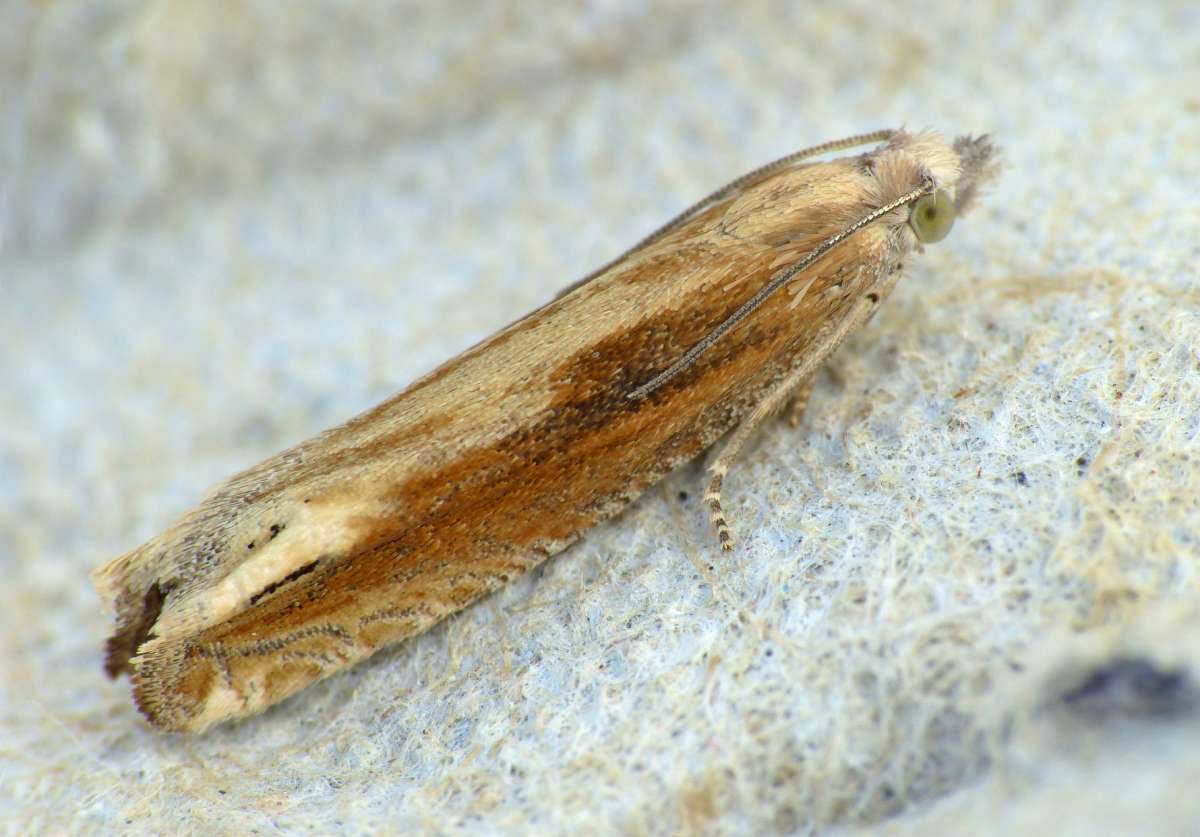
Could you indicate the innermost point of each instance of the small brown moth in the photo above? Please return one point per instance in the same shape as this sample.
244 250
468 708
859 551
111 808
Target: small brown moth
499 458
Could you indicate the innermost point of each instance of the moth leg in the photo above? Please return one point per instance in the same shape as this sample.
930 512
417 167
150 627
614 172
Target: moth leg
799 402
789 387
798 382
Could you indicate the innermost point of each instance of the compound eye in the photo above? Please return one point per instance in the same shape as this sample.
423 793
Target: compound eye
932 216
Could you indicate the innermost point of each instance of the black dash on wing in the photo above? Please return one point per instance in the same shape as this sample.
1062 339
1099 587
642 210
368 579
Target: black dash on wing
287 579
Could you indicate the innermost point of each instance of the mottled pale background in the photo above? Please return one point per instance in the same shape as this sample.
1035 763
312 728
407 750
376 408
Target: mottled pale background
230 224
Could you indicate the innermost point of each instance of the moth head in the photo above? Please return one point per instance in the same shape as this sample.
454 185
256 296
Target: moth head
938 181
931 217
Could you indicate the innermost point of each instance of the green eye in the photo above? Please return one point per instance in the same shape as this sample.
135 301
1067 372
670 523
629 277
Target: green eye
932 217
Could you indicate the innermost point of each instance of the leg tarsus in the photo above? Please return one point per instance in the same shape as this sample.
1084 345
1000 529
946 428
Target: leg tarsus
797 383
769 405
716 515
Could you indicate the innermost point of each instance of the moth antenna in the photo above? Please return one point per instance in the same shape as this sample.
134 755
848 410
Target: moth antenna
779 280
733 187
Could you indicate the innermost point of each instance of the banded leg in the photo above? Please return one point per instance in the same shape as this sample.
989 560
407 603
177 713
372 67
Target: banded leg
797 382
770 404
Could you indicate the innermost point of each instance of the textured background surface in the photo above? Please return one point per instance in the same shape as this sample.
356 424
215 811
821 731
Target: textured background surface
229 225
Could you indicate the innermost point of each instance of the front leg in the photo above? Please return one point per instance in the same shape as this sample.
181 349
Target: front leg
789 387
798 384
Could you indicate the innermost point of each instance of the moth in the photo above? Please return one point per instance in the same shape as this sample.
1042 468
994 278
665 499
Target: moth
502 456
